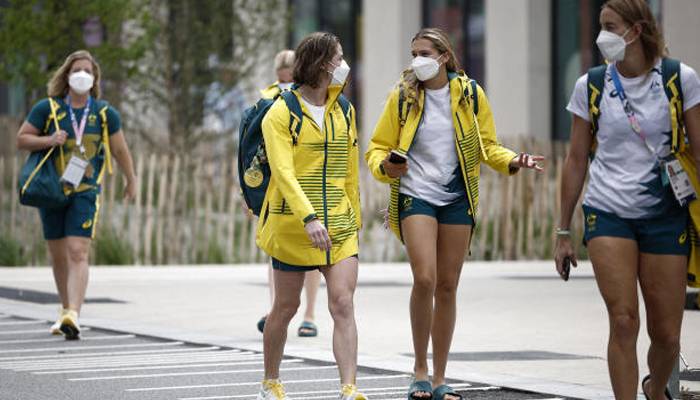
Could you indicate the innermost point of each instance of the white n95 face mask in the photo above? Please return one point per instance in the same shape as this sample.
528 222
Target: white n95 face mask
81 82
426 68
340 73
611 45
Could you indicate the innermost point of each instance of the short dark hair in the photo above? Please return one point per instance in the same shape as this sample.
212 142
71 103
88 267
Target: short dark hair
314 51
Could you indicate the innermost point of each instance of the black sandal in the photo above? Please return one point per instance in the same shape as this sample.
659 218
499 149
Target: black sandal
261 324
441 391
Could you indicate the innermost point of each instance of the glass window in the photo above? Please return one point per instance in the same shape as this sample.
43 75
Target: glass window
575 28
464 22
340 17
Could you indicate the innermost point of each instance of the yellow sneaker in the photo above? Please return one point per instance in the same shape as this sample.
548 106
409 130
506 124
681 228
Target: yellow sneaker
272 389
69 325
56 327
349 392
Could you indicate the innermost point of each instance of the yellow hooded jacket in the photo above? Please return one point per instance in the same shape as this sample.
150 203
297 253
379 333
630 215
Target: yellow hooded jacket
475 141
312 175
271 91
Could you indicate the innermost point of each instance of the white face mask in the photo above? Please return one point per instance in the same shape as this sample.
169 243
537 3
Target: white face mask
340 73
81 82
611 45
426 68
285 85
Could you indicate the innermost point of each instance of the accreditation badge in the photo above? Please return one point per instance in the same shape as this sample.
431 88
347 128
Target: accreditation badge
75 171
683 189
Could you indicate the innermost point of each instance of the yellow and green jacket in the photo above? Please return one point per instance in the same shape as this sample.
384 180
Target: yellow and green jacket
271 91
314 175
475 140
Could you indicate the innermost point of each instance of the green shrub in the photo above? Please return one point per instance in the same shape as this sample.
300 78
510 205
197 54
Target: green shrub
11 253
214 254
111 249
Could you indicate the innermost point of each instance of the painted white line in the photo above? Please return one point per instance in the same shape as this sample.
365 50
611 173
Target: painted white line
361 378
374 395
127 363
120 361
116 356
236 372
34 322
45 331
137 358
61 339
399 392
79 348
178 365
373 391
63 356
87 358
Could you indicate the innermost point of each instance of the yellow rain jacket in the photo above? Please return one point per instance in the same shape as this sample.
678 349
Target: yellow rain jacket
475 140
271 91
313 175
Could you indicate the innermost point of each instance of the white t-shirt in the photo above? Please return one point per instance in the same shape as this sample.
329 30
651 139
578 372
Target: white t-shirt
317 112
433 168
624 175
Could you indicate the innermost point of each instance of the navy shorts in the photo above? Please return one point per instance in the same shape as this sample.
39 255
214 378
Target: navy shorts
77 218
667 234
455 213
283 266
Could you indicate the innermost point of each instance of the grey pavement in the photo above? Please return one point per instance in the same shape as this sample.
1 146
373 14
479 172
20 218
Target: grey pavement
518 326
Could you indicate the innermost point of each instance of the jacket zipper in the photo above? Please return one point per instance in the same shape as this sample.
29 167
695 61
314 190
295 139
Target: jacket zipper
325 201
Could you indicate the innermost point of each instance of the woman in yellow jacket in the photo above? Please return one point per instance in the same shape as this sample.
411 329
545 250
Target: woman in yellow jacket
428 145
311 213
284 66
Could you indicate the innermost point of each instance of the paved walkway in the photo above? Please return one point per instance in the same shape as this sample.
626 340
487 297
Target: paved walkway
519 326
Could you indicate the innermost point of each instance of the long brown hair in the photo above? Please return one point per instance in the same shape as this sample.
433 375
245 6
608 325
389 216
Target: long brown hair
312 56
58 85
638 12
442 44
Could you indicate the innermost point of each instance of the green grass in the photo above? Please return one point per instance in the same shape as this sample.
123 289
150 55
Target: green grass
11 253
111 249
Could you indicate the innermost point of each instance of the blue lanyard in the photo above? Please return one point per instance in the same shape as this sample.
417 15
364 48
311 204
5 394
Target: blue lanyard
79 129
631 117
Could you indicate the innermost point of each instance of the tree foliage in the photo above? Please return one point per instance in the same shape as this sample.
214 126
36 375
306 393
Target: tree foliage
159 58
37 35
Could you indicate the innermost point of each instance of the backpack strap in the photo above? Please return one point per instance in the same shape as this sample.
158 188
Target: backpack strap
345 106
404 106
671 76
54 106
595 85
296 115
474 95
102 107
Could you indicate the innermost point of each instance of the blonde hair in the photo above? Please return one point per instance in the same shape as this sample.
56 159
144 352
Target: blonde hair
284 59
58 84
442 44
638 12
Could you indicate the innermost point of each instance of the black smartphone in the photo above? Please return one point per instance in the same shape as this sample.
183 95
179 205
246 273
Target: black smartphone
397 158
565 268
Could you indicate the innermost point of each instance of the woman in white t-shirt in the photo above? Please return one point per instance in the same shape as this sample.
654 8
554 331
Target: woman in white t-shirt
635 229
428 145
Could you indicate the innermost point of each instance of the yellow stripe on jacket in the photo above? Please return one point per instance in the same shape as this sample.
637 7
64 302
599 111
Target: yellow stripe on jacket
475 141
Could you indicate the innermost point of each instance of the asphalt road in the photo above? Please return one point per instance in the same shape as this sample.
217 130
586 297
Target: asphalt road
109 365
